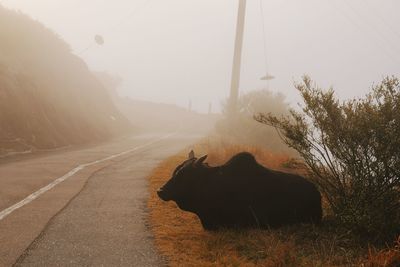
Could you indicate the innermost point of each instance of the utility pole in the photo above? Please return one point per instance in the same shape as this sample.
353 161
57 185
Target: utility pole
237 58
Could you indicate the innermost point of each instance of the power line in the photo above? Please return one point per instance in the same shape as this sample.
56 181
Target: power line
382 19
267 76
118 24
372 25
131 14
384 49
85 49
264 36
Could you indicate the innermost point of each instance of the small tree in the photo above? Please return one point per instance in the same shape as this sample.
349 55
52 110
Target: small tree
352 149
242 128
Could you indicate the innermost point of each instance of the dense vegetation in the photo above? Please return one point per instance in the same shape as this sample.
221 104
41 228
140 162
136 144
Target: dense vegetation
48 96
352 150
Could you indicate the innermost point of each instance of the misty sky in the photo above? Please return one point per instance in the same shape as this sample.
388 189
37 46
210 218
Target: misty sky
175 50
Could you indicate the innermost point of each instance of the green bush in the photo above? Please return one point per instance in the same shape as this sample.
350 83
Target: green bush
352 149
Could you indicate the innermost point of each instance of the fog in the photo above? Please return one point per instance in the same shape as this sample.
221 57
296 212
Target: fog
179 50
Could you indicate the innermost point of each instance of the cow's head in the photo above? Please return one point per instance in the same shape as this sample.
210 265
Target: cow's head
184 180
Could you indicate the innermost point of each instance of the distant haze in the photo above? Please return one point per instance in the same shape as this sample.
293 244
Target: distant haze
174 51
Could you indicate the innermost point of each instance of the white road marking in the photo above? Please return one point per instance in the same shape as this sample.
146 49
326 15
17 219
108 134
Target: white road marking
72 172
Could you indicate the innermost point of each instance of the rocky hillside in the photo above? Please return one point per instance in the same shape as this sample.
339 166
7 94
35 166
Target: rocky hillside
48 96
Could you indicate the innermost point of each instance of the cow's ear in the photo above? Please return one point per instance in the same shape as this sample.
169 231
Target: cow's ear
200 161
191 154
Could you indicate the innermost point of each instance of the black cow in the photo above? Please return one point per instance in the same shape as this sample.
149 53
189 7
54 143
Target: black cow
241 194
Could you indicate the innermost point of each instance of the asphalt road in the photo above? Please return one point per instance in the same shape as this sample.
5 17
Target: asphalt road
96 217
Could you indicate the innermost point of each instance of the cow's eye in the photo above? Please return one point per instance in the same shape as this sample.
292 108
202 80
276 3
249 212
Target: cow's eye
179 174
177 169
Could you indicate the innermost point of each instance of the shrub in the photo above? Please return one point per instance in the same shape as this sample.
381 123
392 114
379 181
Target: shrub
244 130
352 149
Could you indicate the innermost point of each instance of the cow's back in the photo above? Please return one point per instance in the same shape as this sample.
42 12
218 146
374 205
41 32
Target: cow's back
276 197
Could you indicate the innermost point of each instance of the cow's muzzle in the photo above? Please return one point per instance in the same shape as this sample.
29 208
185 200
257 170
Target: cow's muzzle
162 194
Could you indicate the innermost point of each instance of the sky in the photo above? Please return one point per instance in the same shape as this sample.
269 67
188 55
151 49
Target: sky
176 51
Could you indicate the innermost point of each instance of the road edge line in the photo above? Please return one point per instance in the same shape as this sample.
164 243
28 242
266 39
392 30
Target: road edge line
4 213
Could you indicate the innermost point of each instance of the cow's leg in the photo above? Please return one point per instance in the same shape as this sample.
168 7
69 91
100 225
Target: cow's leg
207 222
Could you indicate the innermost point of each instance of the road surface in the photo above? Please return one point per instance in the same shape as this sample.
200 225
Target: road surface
95 217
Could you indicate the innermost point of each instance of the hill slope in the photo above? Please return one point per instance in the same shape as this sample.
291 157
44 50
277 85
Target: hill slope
48 96
149 116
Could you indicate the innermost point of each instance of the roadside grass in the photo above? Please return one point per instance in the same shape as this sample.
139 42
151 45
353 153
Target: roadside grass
182 241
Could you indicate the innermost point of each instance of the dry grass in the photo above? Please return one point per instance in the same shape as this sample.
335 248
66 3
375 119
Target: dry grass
389 257
181 239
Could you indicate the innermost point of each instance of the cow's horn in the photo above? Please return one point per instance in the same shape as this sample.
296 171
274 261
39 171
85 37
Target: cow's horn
191 154
200 160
